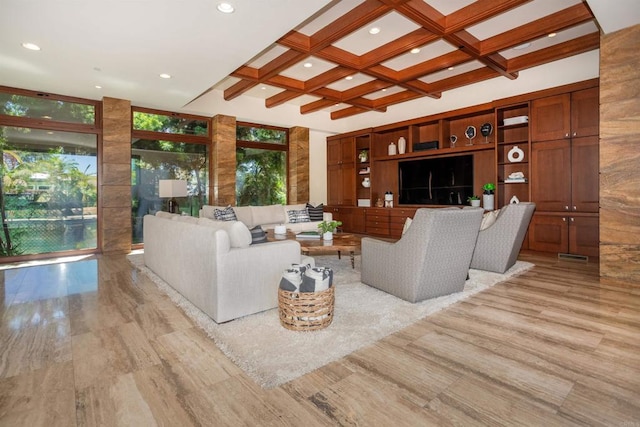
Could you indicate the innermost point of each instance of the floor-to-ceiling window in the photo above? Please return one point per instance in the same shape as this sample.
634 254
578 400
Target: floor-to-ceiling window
48 185
167 146
261 164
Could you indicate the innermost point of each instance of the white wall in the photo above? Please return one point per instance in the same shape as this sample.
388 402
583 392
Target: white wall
318 166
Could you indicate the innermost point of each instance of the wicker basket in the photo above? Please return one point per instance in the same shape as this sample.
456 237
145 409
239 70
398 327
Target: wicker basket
306 311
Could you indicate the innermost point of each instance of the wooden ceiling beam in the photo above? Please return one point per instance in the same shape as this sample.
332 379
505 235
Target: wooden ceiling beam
365 89
443 62
553 53
397 47
296 41
339 56
281 98
464 79
327 78
424 15
238 89
318 105
477 12
351 21
558 21
352 111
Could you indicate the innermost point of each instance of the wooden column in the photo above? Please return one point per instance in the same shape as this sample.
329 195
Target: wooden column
115 179
298 165
223 161
620 155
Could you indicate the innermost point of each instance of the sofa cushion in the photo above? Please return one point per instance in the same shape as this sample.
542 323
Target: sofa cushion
185 218
258 235
163 214
239 234
272 214
226 214
245 214
488 219
315 213
298 216
297 207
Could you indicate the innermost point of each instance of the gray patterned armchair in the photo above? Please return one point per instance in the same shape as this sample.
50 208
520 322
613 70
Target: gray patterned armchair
499 244
431 259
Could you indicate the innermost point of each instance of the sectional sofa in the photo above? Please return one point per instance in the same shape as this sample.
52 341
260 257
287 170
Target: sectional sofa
214 264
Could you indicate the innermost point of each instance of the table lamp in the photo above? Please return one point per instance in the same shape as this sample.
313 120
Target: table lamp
172 188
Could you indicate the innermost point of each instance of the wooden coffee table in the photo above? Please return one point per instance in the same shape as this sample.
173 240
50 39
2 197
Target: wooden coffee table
342 242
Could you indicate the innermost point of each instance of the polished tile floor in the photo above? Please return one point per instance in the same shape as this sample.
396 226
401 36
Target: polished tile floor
93 342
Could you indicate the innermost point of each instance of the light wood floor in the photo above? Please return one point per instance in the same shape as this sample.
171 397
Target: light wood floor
94 343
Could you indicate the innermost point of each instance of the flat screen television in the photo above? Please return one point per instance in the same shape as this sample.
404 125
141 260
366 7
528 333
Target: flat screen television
436 181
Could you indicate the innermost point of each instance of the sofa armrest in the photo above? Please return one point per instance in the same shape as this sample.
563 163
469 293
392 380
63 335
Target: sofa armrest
327 216
248 278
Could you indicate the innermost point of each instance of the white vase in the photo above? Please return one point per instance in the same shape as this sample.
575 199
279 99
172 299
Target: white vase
487 202
475 203
366 183
392 149
402 145
327 235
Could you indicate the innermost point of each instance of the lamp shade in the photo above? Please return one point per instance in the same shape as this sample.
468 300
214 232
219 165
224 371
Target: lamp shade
172 188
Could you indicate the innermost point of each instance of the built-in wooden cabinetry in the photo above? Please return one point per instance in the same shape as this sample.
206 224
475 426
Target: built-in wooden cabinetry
551 137
341 166
564 166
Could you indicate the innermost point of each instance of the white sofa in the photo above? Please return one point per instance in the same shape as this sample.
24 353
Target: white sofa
267 216
214 265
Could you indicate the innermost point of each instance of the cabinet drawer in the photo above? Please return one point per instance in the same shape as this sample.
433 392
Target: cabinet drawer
380 218
380 231
402 213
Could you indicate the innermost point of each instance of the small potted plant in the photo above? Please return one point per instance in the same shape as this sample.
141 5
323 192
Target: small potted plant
328 228
487 196
474 201
363 156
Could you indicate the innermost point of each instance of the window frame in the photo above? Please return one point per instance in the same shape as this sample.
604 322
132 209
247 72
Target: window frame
267 146
53 125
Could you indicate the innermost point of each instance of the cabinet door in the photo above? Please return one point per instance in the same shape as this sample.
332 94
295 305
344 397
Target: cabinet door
584 236
551 118
334 184
585 112
548 233
584 174
349 184
334 152
357 221
551 175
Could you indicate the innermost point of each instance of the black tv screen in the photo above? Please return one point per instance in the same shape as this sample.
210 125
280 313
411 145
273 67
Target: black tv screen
436 181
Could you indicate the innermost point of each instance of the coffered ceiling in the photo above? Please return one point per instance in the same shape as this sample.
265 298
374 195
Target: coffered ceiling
337 62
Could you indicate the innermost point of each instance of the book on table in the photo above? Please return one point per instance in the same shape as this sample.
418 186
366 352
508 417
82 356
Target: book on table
308 235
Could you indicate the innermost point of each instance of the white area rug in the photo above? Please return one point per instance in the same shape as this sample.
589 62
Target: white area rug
273 355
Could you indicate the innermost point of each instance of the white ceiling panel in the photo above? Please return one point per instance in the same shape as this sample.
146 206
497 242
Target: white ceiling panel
346 84
392 26
544 42
447 7
516 17
339 9
384 92
300 72
427 52
269 55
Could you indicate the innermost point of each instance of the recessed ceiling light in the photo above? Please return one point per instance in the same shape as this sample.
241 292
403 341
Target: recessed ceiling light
98 87
263 88
551 35
374 30
165 76
46 117
49 133
384 90
30 46
522 46
308 65
349 78
415 50
450 68
225 8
